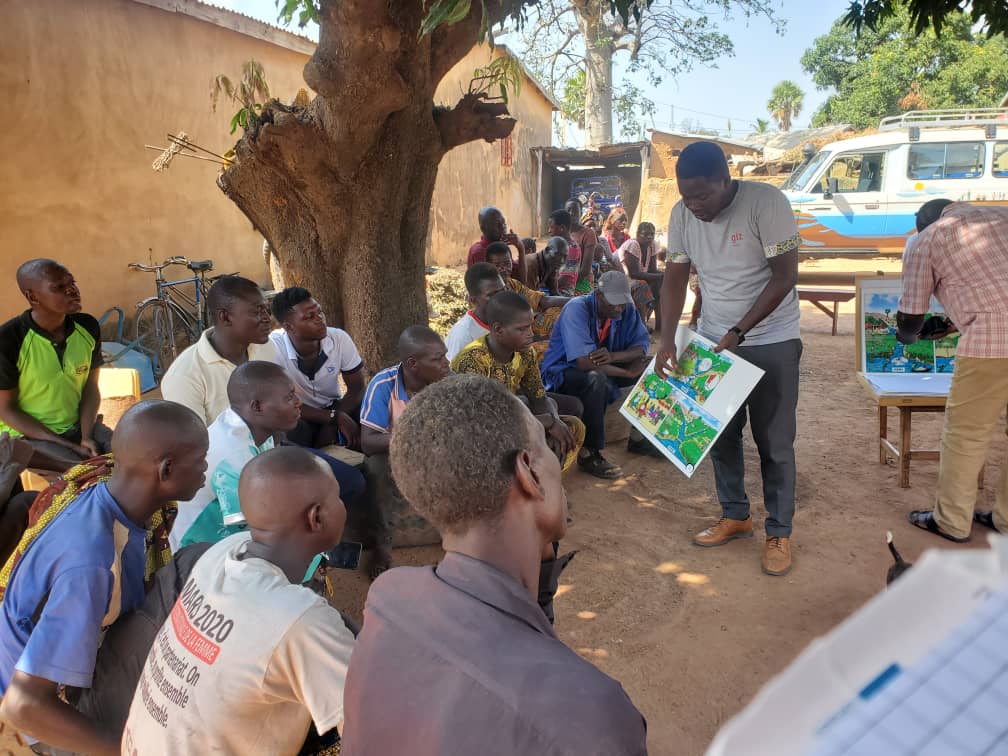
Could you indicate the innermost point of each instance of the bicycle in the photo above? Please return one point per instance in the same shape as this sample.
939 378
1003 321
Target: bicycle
172 320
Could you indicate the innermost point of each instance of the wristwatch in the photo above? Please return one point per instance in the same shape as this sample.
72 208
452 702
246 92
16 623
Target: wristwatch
738 332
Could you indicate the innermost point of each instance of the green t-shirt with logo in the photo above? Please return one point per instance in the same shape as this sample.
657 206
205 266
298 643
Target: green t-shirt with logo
49 378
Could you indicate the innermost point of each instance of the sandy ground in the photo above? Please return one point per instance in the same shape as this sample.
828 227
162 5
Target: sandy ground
693 633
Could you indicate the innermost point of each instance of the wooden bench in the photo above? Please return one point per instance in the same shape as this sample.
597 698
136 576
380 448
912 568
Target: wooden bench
818 295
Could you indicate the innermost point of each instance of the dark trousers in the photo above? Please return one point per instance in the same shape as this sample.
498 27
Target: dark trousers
593 389
770 410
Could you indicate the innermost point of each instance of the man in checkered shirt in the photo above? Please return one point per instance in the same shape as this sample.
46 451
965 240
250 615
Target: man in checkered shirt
962 259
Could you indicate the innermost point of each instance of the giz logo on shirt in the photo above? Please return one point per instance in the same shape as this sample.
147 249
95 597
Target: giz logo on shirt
736 237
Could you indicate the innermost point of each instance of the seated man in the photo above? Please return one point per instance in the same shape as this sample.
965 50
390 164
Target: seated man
543 268
423 361
599 345
575 275
315 358
482 281
639 258
239 332
505 355
270 657
264 404
49 360
459 656
546 308
84 569
495 229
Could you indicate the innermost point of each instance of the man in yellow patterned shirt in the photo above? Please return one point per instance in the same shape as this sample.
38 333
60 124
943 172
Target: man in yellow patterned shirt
546 309
504 355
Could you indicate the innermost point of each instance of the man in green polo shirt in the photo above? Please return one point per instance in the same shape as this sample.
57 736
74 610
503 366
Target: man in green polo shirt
49 359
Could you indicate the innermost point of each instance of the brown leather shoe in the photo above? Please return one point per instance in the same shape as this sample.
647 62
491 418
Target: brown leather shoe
777 556
723 531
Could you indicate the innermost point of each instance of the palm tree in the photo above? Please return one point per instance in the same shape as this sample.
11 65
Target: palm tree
785 103
761 126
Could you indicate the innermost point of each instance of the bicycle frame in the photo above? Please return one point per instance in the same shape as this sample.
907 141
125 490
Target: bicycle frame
172 291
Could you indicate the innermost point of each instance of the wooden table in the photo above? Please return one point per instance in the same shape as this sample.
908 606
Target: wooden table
902 451
817 295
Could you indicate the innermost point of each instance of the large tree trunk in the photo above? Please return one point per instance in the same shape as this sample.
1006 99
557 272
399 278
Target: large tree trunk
598 73
342 189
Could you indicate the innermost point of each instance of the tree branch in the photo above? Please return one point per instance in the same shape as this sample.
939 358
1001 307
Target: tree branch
471 119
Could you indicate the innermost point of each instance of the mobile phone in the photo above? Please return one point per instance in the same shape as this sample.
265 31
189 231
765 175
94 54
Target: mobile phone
344 556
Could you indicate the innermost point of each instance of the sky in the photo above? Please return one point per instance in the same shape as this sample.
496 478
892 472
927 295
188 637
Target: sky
737 89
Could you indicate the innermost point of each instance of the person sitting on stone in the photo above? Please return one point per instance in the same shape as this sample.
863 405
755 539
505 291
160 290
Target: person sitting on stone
505 355
316 357
482 281
543 268
546 308
271 656
639 258
460 656
423 361
239 332
85 567
575 275
495 229
49 360
599 345
263 406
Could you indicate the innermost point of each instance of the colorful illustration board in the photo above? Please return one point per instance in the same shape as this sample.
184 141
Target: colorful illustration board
683 415
881 355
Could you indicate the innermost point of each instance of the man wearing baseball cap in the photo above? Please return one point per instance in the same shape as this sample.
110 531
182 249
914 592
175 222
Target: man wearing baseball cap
598 346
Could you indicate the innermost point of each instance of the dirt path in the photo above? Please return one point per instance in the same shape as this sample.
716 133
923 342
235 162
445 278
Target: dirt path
693 633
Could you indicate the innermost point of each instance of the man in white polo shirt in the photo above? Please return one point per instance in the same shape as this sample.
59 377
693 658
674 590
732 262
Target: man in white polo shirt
482 281
239 332
743 240
315 357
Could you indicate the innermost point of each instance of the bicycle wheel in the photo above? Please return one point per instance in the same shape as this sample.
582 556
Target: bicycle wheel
162 331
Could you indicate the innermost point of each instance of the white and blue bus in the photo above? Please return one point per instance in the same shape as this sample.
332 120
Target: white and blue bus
861 194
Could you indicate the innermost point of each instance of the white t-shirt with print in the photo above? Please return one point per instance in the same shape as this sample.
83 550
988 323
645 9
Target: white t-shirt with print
731 256
324 389
244 663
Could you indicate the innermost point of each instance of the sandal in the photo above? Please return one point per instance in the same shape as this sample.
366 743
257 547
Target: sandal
924 519
597 465
986 519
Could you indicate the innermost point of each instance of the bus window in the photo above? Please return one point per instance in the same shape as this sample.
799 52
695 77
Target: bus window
854 173
941 160
1001 160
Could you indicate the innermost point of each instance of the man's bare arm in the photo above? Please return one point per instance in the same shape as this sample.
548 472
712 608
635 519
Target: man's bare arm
374 442
783 277
32 706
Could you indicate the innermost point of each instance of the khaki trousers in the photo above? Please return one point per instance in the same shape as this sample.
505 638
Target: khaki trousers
978 395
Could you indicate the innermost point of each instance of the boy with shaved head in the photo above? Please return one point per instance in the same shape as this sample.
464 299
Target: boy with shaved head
49 359
264 406
460 657
85 568
249 657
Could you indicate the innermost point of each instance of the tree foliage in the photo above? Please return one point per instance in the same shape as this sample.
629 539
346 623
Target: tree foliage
891 69
761 126
566 40
786 100
990 15
250 93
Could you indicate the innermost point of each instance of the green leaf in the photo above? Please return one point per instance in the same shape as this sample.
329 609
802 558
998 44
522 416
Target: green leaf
234 121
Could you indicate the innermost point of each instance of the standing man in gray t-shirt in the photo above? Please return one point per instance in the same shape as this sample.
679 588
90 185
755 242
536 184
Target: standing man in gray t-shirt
743 240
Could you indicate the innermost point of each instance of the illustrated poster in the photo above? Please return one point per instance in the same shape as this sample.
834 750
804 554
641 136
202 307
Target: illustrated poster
684 414
881 352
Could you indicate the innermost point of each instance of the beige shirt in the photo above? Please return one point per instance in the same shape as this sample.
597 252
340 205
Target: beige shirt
199 376
244 663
